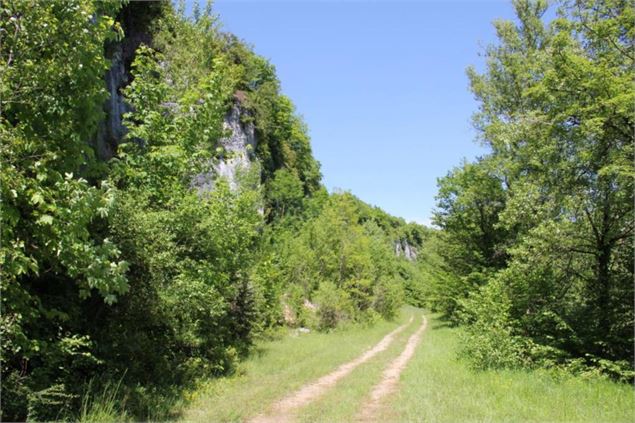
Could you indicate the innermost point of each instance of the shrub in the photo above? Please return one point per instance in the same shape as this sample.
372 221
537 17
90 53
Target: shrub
489 341
333 305
52 403
389 295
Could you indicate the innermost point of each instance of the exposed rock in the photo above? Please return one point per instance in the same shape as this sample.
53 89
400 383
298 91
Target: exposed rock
288 315
309 305
239 146
135 19
111 130
403 248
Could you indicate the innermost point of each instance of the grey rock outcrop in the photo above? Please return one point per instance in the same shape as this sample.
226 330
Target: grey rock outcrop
239 146
136 20
404 249
112 130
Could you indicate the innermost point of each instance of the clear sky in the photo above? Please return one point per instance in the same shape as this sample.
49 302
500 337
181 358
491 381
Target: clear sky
381 85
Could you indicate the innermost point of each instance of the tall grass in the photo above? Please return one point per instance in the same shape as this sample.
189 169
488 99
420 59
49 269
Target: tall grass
105 405
113 401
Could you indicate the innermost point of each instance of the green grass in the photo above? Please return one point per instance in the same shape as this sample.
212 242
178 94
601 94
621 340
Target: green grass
343 402
103 406
438 387
280 367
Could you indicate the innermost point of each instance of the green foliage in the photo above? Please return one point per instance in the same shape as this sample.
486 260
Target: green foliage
389 296
285 193
490 341
49 404
468 204
55 251
472 243
334 305
103 405
295 303
343 263
189 251
557 112
128 267
282 136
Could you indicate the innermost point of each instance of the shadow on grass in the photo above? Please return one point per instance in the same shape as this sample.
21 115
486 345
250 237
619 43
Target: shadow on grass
441 325
440 322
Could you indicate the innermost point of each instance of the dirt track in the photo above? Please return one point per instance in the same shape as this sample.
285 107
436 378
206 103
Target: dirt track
390 377
282 411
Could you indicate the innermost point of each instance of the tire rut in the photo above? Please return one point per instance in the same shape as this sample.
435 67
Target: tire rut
390 377
282 411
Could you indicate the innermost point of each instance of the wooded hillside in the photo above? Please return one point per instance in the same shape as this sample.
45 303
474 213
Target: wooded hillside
156 259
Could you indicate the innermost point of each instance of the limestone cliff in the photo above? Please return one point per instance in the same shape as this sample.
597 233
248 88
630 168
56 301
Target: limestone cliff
404 249
136 20
239 146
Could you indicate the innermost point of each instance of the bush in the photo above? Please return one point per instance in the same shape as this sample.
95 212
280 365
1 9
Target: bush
333 305
389 295
351 254
489 341
301 315
52 403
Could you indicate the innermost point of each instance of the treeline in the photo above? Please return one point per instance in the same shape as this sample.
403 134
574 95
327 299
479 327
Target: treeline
125 267
538 233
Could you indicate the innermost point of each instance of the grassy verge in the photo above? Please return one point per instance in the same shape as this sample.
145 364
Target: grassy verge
111 401
437 387
280 367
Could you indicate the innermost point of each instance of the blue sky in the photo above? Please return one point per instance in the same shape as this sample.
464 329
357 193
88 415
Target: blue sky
380 84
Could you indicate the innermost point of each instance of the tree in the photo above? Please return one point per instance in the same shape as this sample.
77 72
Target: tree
55 252
285 193
469 201
557 112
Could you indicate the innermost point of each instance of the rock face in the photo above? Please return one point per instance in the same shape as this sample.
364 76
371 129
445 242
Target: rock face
136 19
239 146
403 248
111 130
